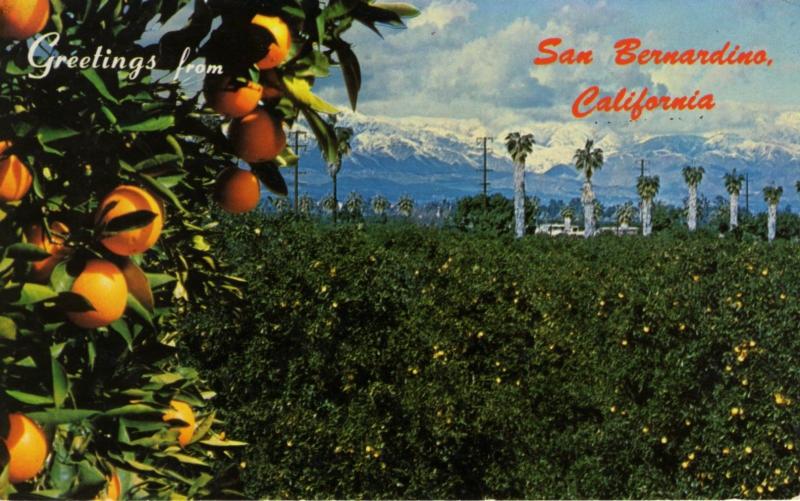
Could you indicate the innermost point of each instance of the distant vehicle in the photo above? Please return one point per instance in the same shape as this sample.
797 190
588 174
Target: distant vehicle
559 229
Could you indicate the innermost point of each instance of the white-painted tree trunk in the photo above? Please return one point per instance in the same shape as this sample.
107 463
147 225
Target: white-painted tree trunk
587 199
734 218
692 208
519 199
567 225
647 220
772 223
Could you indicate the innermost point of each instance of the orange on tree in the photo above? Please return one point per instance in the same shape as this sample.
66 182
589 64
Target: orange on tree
21 19
15 178
113 489
180 410
232 98
257 137
128 199
102 284
27 448
278 50
54 244
238 190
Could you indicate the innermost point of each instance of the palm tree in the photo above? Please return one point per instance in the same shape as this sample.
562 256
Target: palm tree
648 187
625 215
598 211
343 137
519 147
733 183
568 213
772 195
328 204
305 205
379 206
588 161
354 206
405 206
693 177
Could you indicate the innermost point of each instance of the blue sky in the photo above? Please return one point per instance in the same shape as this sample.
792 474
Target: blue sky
472 59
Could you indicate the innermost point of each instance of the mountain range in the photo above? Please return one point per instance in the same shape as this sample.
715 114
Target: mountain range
434 159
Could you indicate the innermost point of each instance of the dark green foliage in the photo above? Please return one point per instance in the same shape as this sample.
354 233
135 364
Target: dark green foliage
393 361
498 216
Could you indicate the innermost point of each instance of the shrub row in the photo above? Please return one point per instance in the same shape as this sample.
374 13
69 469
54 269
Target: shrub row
394 361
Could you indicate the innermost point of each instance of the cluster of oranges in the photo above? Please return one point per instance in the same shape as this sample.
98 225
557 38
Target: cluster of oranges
255 133
102 283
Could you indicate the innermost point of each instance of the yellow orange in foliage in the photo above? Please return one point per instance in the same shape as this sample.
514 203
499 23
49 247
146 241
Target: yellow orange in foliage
278 50
103 285
126 199
182 411
21 19
27 448
231 97
238 190
54 244
15 178
257 137
113 489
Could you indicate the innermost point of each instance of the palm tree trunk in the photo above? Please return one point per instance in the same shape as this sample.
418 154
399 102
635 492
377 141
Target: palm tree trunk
692 208
567 225
647 222
772 222
519 199
734 218
587 199
335 201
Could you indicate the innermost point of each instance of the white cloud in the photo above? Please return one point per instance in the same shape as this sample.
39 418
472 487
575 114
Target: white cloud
440 13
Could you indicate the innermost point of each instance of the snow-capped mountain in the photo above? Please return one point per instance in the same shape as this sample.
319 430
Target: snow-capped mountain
440 158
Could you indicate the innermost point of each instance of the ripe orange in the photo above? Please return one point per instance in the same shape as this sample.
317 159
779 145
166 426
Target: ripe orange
277 51
182 411
15 178
103 285
238 190
21 19
113 489
231 98
131 199
27 448
257 137
40 270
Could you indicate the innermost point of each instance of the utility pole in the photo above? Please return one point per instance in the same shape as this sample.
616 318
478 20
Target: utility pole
485 183
297 150
642 175
747 192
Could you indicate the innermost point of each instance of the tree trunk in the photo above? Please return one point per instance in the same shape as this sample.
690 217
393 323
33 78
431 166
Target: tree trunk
335 201
519 199
692 208
772 222
734 219
587 199
567 225
647 223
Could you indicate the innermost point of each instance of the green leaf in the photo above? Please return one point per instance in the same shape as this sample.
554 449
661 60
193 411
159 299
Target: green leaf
154 124
157 161
72 302
98 83
8 329
162 190
34 293
215 441
325 134
139 309
132 409
401 9
186 459
29 398
26 252
158 279
269 174
351 71
50 134
59 416
60 382
121 328
130 221
301 91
